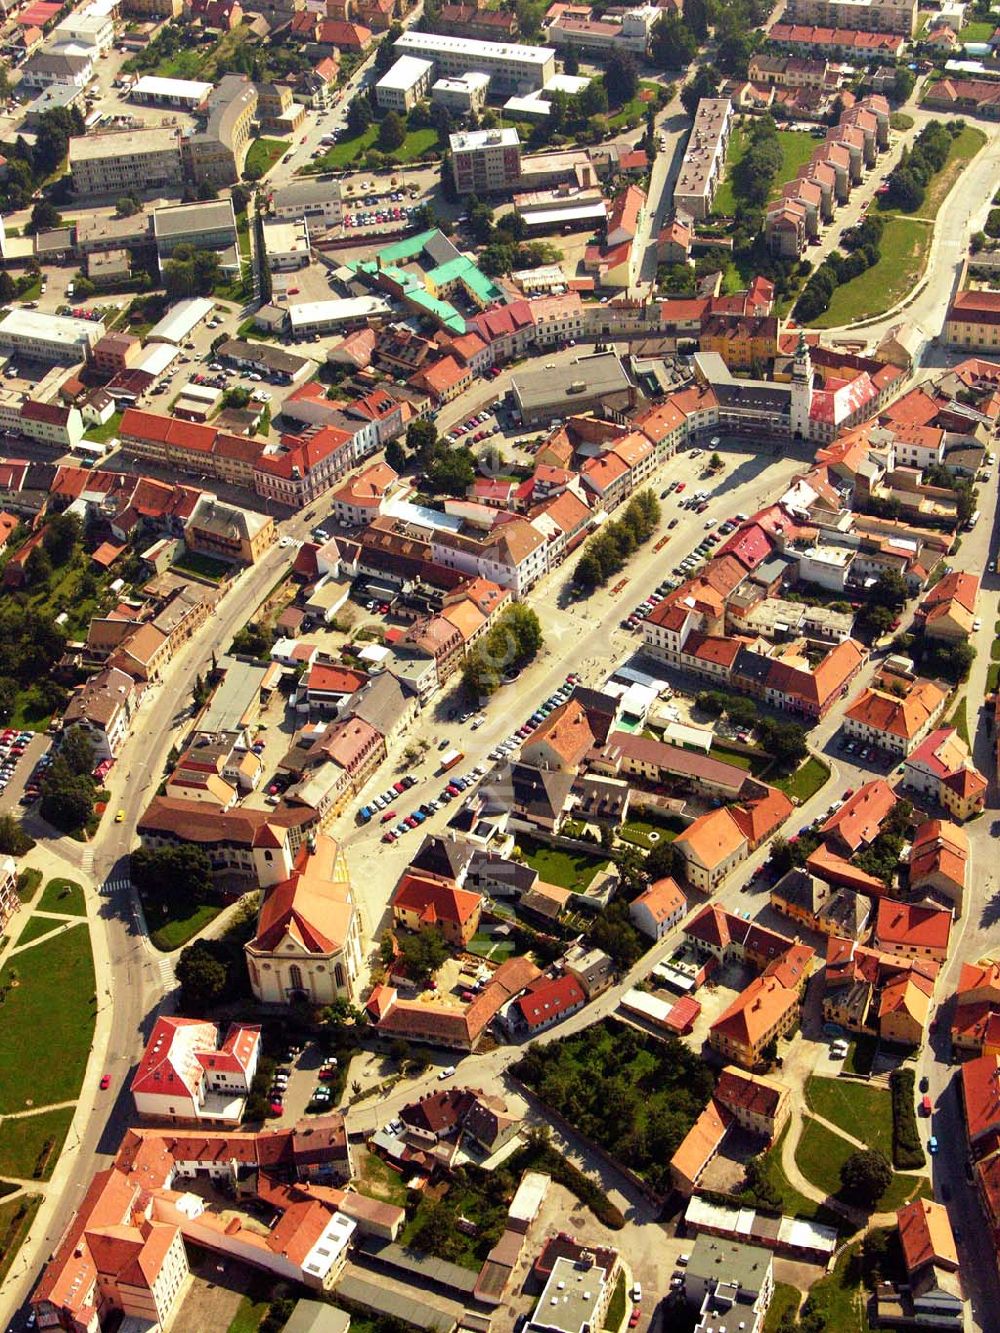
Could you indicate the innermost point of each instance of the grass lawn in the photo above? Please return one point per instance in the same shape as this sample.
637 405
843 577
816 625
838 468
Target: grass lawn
54 999
262 156
28 883
37 927
205 566
821 1154
806 781
556 865
637 106
839 1298
30 1145
794 1204
797 148
102 434
858 1108
243 234
727 756
976 32
960 720
489 946
992 677
963 149
785 1298
16 1218
905 242
379 1181
347 151
63 895
249 1314
646 832
616 1306
173 932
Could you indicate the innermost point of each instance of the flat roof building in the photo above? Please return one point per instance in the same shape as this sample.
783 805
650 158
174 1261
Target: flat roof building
463 94
573 387
42 337
485 161
185 94
314 200
210 225
704 158
124 161
404 84
575 1298
181 320
286 244
512 68
325 316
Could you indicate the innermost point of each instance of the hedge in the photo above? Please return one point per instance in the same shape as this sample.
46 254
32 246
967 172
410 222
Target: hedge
907 1150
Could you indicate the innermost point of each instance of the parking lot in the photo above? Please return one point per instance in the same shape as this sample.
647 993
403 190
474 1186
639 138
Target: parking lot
23 760
299 1085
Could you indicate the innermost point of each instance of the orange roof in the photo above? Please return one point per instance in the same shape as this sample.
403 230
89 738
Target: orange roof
981 1098
925 1235
466 617
662 899
759 816
860 817
435 899
756 1010
896 716
313 906
912 925
711 838
701 1142
566 730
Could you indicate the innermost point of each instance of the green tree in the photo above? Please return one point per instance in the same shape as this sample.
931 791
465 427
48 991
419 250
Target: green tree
61 537
395 456
865 1176
391 132
663 861
359 116
37 567
166 872
902 86
44 217
890 590
423 953
76 750
127 206
13 839
704 84
571 61
422 439
202 977
67 798
620 77
673 45
451 471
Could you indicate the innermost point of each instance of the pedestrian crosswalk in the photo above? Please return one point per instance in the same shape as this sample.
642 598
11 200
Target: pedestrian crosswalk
165 968
112 886
87 861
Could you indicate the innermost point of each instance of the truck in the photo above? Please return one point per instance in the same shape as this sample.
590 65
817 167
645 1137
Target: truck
450 759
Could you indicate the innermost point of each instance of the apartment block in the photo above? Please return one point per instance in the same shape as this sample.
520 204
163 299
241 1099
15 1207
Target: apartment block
485 161
704 158
511 68
125 161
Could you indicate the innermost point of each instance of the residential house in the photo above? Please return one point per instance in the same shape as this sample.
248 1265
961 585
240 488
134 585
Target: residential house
658 910
975 1023
941 768
895 714
187 1074
712 846
912 930
810 901
422 901
867 991
939 863
102 709
948 610
561 740
545 1003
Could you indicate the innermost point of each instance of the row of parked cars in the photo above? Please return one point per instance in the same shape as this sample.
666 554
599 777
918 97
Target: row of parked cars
424 811
12 746
514 741
386 798
634 621
480 419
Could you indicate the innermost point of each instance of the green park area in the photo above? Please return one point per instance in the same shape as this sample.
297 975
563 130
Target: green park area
797 146
805 782
821 1153
64 896
904 247
560 866
30 1144
860 1109
262 156
16 1217
47 991
350 152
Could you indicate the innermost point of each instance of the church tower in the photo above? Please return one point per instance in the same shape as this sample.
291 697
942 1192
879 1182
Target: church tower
802 389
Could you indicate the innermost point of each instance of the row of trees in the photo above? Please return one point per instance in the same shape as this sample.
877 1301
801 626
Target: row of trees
605 554
30 164
863 242
910 178
510 645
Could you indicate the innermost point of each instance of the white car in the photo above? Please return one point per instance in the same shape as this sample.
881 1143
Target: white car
977 624
284 541
446 1073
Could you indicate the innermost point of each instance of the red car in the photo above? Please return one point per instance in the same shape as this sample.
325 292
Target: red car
277 1108
634 1318
399 786
411 822
389 814
681 487
105 1082
388 836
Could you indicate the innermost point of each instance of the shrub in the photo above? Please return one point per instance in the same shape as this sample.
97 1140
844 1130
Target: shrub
907 1150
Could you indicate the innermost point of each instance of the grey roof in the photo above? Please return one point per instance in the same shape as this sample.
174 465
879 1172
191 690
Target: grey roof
752 666
440 249
491 868
317 1317
379 702
375 1296
262 354
752 396
226 520
305 192
797 886
183 219
715 1259
442 856
598 374
240 685
540 791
